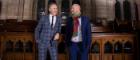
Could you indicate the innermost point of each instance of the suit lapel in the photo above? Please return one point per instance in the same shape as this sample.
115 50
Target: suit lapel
82 27
48 21
82 23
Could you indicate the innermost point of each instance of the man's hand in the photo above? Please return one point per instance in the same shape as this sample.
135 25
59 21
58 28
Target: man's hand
56 37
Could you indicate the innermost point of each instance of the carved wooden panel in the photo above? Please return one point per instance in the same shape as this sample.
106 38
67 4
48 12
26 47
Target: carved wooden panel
129 57
107 57
118 57
94 57
95 51
113 47
19 43
104 47
62 57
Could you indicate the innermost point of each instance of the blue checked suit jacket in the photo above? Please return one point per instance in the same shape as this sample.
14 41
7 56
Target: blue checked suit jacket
43 31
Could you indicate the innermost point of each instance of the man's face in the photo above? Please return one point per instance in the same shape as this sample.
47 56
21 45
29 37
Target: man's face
53 9
75 9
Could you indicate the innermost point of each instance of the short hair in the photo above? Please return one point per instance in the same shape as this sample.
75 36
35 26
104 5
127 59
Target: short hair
52 3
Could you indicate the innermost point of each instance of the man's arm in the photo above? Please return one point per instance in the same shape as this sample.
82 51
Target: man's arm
38 29
57 35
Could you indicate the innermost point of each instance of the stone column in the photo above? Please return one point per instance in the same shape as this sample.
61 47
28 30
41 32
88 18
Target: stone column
28 5
34 10
132 2
93 10
20 10
17 9
3 15
12 9
122 12
46 6
110 10
86 8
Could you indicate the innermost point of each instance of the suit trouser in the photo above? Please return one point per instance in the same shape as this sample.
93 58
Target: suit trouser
42 51
75 52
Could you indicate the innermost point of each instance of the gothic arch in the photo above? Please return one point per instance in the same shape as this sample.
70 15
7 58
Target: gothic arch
108 47
127 47
118 47
95 48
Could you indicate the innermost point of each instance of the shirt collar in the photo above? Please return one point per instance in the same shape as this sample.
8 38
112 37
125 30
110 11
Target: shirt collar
51 15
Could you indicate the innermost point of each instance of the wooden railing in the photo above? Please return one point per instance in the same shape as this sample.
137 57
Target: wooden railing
110 46
105 46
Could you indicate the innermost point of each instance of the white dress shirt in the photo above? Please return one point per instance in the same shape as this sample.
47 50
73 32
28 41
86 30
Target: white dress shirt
54 19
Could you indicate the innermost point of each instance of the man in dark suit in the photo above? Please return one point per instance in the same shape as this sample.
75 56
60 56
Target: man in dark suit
47 33
78 34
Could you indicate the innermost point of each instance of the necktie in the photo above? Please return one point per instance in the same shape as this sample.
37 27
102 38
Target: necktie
76 24
52 22
52 28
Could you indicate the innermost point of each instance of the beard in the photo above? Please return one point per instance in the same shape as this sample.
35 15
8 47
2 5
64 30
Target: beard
76 14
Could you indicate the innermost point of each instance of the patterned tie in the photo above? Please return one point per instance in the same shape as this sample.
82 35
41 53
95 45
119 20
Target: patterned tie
76 24
52 22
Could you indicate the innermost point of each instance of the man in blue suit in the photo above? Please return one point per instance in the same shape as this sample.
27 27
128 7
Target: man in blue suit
47 33
78 34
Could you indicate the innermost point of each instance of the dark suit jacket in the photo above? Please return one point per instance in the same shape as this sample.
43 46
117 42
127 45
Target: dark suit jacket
85 28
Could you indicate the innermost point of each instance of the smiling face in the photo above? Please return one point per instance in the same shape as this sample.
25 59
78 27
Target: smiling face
75 9
53 9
